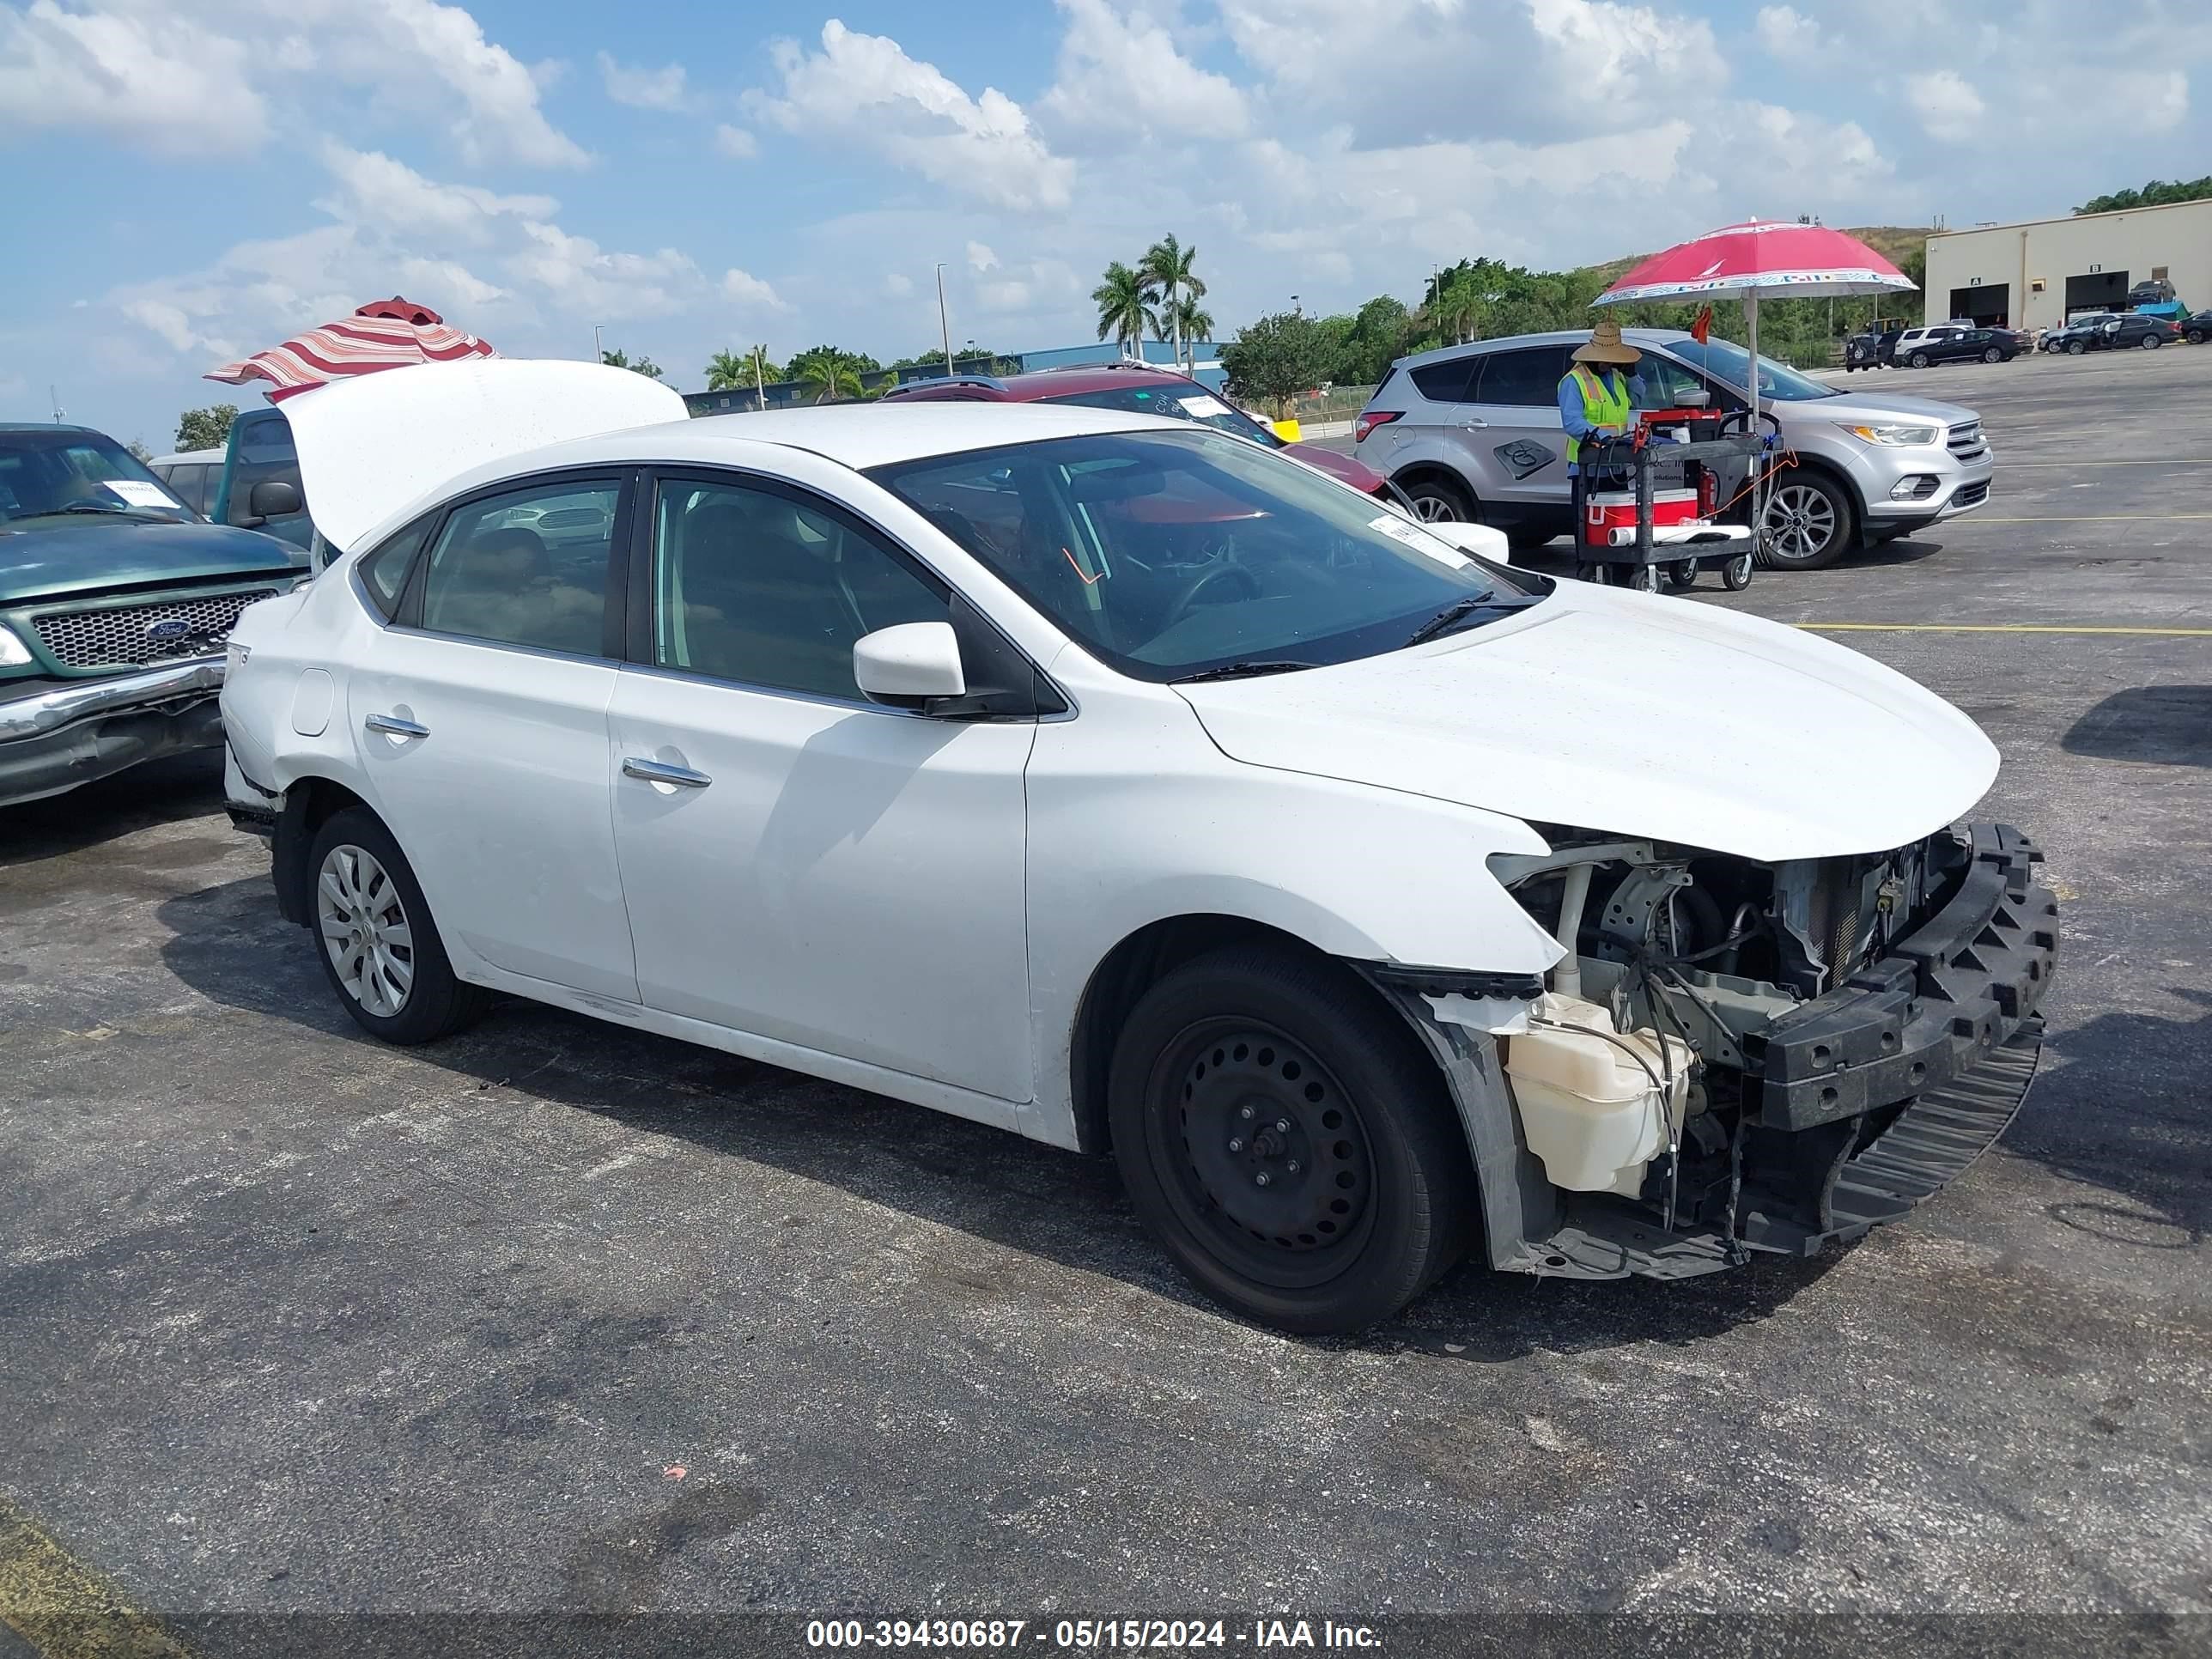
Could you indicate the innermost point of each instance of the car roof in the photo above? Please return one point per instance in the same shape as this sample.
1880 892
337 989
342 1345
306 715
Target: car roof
1042 383
189 457
857 436
1650 337
48 425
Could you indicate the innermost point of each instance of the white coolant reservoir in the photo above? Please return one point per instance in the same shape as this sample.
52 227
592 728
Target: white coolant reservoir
1589 1106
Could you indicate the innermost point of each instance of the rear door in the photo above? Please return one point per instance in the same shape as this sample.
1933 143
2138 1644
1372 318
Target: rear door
1511 429
1432 397
481 719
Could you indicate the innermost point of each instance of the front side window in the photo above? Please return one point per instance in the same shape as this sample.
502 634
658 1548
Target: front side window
1167 554
752 586
525 567
1727 361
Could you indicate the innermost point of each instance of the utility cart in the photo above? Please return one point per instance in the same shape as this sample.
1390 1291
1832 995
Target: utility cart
1667 525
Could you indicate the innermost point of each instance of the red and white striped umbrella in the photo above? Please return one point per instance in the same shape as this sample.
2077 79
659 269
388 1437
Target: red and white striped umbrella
393 333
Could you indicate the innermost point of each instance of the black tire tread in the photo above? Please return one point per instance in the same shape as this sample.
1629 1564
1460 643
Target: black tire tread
439 1003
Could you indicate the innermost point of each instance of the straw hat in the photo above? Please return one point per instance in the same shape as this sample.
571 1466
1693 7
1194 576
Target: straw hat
1606 346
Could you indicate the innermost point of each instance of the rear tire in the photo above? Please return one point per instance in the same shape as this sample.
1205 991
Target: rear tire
1920 360
2152 342
1992 355
1439 499
1324 1227
373 935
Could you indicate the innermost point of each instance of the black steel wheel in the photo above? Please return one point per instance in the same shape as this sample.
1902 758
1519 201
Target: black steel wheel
1282 1131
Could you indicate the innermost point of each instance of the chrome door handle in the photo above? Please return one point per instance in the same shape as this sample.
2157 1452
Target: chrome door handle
392 725
654 771
1474 426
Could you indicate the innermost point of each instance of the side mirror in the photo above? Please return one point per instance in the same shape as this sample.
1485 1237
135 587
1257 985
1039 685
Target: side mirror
1479 539
272 498
1288 431
1697 400
910 665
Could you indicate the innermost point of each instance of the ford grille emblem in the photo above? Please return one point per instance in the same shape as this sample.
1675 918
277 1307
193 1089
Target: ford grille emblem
170 627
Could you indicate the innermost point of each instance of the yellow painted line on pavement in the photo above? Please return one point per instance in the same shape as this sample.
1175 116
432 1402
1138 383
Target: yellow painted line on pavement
1997 628
64 1609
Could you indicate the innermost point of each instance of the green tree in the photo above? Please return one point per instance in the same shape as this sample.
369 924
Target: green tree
1275 359
826 373
728 372
1167 266
205 429
137 446
2157 193
1183 321
1124 301
1379 334
644 366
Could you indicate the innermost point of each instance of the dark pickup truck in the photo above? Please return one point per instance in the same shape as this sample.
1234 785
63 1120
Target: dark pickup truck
116 601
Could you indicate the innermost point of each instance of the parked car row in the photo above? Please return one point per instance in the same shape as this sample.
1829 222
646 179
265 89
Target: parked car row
1121 782
2113 331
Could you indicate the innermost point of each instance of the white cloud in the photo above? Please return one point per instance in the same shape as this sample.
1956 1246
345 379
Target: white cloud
863 91
1950 109
748 290
164 320
898 285
239 71
736 143
1121 76
169 84
980 259
659 89
1790 35
379 191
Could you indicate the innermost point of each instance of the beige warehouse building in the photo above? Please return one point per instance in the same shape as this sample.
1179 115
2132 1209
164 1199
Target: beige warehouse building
2038 274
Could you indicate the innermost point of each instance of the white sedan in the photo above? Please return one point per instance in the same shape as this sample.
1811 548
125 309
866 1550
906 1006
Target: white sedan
1131 788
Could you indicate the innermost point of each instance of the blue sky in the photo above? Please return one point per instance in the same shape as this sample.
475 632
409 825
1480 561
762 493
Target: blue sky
190 183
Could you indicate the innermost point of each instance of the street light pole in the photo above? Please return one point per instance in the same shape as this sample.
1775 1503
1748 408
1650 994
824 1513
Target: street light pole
944 328
598 351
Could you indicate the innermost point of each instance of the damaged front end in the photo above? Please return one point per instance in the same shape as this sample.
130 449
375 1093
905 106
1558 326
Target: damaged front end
1735 1056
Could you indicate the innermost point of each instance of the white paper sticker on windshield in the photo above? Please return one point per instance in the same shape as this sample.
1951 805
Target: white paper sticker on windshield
1203 408
1399 530
139 493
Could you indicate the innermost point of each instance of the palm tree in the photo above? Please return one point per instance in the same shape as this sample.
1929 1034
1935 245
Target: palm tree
1167 266
726 371
826 373
1123 300
1185 320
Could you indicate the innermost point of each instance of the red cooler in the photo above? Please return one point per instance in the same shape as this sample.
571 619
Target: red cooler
1606 510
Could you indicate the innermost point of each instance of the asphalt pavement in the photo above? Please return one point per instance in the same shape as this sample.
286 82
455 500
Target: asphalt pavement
556 1317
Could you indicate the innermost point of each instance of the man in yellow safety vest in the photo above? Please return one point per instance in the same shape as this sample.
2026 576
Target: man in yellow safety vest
1596 396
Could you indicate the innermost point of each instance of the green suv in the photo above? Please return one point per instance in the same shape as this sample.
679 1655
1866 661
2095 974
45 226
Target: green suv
116 600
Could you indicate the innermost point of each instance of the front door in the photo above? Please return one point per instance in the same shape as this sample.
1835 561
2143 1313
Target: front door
801 864
1514 430
483 729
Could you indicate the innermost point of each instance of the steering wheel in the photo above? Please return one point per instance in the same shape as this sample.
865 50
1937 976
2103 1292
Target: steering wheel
1217 577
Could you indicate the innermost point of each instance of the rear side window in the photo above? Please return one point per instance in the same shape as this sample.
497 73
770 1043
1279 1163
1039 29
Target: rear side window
1446 382
1528 378
528 568
384 571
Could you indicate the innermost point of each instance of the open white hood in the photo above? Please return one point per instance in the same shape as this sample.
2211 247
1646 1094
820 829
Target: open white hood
371 445
1656 718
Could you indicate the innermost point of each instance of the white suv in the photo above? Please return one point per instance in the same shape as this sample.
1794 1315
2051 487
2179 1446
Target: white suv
1124 784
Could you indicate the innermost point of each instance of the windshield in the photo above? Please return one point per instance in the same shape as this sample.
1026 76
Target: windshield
1170 554
1727 360
1177 402
78 474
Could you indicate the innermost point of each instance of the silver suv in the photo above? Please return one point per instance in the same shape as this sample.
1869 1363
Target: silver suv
1472 432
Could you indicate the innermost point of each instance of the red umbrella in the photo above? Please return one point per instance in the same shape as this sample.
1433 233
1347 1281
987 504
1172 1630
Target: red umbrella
1759 261
393 333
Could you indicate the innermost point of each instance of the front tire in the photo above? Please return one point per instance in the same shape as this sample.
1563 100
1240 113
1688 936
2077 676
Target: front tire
1920 360
1440 500
1287 1140
375 937
2075 348
1808 524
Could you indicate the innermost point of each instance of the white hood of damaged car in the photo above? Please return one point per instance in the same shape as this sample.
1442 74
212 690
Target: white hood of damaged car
1658 719
372 444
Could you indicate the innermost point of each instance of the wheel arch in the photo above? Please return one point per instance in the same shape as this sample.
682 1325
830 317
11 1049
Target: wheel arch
1433 471
1838 475
310 801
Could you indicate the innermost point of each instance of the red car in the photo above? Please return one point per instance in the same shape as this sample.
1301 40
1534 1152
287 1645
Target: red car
1140 389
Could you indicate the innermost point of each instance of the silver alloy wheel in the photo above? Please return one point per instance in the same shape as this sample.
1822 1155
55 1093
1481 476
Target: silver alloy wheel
364 927
1801 522
1434 509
